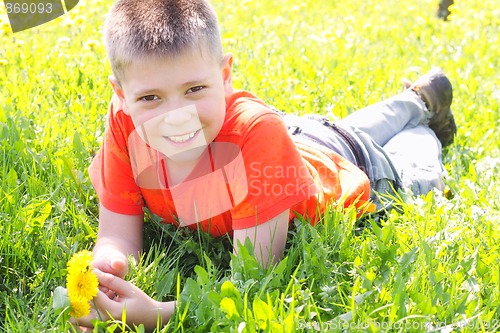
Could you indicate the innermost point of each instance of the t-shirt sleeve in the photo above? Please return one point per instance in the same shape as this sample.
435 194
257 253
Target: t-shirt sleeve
277 178
111 171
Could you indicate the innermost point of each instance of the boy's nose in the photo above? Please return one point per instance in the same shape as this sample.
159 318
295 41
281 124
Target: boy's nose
180 115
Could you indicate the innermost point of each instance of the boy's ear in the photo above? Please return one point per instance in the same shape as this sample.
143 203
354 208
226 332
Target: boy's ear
227 73
118 91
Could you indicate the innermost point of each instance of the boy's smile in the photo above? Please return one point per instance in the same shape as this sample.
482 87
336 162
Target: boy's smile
183 138
177 103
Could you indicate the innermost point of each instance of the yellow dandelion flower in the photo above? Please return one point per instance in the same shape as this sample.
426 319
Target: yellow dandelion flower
79 19
80 307
5 27
91 44
81 282
67 22
80 262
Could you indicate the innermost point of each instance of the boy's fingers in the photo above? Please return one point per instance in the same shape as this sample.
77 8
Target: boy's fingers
102 301
118 285
110 293
117 265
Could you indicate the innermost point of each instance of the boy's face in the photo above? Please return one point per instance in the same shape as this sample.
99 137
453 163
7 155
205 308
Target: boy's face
177 104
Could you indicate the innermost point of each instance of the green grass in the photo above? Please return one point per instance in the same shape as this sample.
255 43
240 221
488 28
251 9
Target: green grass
432 263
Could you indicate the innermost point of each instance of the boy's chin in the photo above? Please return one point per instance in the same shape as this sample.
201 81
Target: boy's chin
187 156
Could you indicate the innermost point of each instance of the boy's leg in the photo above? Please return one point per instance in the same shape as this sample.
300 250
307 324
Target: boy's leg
403 136
383 120
427 101
416 154
387 131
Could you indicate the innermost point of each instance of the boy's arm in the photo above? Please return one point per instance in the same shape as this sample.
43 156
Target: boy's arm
118 237
268 239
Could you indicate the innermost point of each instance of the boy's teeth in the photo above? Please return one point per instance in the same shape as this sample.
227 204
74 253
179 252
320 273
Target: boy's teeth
182 138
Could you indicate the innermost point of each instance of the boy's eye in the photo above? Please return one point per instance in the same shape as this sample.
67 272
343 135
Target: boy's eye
149 98
195 89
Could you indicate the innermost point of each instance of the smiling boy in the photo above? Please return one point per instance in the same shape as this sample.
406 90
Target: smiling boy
181 142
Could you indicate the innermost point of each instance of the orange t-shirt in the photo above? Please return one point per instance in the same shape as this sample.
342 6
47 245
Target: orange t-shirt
252 172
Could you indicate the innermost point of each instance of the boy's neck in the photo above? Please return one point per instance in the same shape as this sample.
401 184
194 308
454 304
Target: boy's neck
177 172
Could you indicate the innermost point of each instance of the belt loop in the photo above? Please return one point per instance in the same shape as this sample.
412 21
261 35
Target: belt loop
352 143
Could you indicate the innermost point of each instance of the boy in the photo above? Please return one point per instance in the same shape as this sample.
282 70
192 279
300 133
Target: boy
182 142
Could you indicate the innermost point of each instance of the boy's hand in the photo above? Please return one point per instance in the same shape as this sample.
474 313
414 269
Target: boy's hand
139 307
112 262
119 236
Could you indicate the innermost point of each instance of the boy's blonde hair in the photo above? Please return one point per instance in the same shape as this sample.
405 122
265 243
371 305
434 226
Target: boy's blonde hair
139 29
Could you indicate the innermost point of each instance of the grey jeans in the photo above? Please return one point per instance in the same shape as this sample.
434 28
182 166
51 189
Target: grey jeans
399 149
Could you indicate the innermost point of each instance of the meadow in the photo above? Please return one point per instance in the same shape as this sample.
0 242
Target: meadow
432 265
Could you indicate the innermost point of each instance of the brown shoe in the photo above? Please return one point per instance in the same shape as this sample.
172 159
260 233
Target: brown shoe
437 93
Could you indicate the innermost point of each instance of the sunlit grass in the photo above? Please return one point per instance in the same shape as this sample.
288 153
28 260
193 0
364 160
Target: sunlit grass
433 265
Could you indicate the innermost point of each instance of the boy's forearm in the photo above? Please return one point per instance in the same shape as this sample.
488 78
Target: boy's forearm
118 237
268 239
119 232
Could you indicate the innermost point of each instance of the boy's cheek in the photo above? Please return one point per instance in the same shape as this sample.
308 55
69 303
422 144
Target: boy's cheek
142 118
